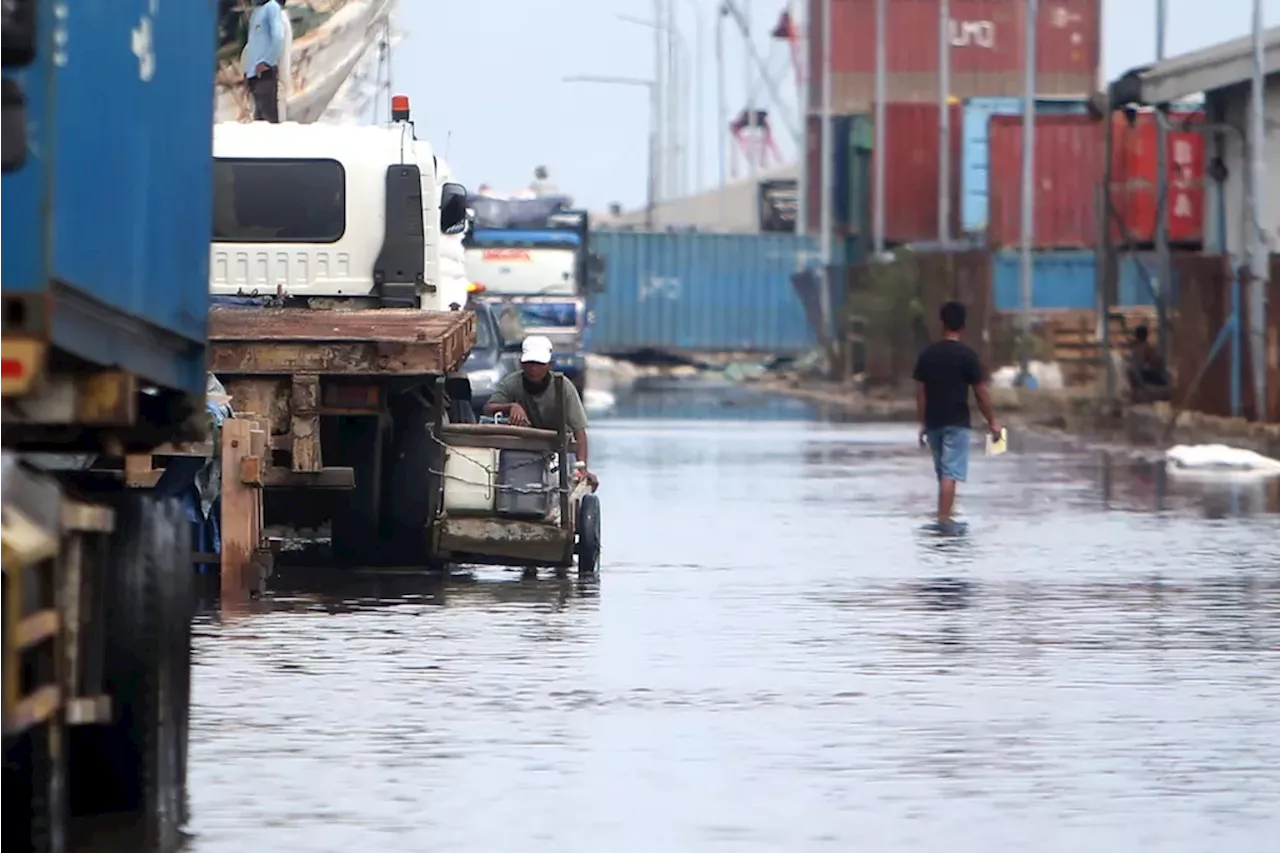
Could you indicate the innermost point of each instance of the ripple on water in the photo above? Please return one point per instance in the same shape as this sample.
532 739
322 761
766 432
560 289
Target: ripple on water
778 658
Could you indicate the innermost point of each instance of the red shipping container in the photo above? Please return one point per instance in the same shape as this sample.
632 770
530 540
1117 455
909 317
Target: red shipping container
1070 155
911 138
911 176
1068 166
987 57
1133 179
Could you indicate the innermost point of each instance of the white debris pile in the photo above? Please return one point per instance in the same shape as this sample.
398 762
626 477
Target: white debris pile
1218 459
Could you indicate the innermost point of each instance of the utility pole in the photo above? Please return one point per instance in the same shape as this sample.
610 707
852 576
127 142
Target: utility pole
1028 183
878 179
944 122
825 182
1164 265
1259 262
802 182
659 80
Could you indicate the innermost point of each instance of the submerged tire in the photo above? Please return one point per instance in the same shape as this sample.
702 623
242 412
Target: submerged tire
354 529
138 763
408 499
34 776
588 548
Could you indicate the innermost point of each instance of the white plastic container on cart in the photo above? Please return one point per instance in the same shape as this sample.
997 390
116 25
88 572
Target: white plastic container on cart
469 474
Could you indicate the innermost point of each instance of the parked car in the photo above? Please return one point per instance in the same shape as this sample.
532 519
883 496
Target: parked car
491 358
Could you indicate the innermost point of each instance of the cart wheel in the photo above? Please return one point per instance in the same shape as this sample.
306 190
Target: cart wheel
588 535
407 504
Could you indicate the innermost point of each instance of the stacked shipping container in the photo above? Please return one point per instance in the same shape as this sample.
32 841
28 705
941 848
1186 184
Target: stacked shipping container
987 57
988 49
912 136
1069 165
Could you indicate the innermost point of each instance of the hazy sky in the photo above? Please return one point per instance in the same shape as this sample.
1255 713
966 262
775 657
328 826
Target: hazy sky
486 80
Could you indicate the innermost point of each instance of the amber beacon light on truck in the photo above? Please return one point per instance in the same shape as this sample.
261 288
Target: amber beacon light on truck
399 107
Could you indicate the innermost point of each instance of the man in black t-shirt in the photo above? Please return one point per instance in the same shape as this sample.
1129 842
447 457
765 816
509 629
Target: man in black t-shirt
945 371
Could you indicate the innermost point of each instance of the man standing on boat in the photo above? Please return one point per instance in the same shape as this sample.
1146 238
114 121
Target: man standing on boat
529 397
263 54
945 371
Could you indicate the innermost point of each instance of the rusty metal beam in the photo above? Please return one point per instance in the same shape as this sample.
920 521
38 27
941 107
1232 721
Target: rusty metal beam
386 341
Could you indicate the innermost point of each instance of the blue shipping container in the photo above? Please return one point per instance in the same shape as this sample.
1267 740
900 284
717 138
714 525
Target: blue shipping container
1066 280
975 132
697 292
110 214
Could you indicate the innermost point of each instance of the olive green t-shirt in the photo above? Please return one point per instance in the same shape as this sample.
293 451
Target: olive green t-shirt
541 408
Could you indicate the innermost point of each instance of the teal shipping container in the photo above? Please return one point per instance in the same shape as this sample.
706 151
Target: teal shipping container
694 292
851 140
1066 280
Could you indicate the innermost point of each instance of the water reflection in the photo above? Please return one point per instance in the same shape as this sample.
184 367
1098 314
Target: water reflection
739 403
777 657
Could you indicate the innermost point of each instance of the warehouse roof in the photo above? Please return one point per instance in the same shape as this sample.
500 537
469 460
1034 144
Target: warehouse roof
735 209
1215 67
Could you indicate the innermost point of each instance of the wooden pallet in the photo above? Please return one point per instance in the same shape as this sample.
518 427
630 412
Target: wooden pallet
1077 348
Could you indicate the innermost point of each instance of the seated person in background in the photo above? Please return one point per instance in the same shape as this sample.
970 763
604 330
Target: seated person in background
1148 379
528 398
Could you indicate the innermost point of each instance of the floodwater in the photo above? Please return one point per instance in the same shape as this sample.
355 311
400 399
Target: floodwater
778 657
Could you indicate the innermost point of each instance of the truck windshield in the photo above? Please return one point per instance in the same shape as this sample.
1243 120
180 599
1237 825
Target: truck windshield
278 201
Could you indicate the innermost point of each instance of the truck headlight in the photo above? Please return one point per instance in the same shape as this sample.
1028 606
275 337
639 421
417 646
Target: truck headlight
482 381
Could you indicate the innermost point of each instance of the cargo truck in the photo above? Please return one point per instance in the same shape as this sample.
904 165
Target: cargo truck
532 260
106 222
338 334
335 332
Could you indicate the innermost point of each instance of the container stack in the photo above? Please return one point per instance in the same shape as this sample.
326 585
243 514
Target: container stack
987 54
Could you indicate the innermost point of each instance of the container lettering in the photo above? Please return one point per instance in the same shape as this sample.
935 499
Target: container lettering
973 34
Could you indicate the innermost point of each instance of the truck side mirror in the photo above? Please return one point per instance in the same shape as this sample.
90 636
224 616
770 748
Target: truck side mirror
453 208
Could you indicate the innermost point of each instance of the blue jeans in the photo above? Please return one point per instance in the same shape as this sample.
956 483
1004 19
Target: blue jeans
950 448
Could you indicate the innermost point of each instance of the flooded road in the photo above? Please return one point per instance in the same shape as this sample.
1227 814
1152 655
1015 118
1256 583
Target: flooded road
778 658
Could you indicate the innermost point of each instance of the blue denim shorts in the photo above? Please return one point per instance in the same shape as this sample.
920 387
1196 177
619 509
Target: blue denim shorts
950 448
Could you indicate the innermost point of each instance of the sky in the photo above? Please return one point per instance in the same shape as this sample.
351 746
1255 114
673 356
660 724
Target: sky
486 81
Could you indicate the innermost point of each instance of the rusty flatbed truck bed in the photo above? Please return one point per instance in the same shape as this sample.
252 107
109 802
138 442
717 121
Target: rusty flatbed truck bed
343 399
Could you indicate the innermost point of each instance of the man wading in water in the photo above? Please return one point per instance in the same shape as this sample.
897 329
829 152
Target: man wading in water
528 398
945 371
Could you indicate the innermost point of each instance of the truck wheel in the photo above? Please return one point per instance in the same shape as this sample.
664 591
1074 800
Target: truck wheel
354 529
137 764
588 536
408 502
35 774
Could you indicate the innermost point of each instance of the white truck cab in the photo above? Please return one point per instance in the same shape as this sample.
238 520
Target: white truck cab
327 213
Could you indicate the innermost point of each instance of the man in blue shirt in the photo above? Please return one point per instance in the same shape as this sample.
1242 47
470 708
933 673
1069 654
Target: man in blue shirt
262 56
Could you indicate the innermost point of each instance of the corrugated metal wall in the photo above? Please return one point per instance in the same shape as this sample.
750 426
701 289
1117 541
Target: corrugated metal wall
1065 280
1070 160
1068 166
700 293
975 160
